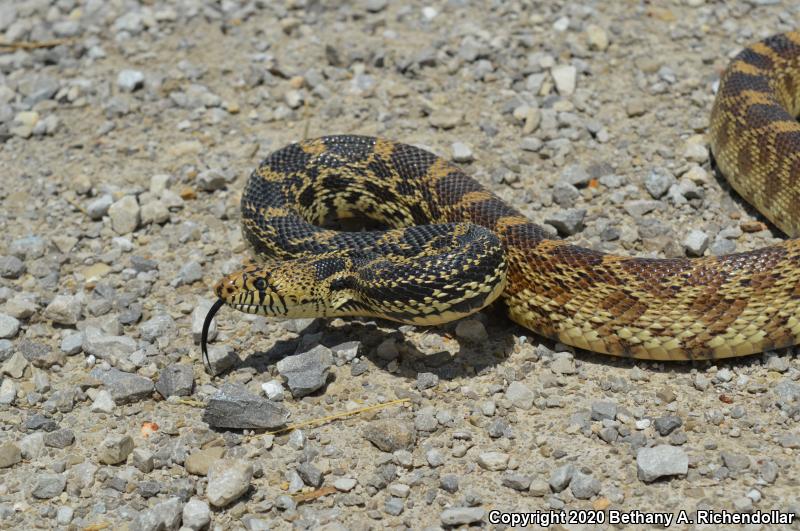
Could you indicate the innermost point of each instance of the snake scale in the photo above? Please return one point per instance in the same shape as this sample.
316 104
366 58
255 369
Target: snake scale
453 247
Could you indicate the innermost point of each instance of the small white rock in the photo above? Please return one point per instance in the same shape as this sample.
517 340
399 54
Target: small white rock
695 243
274 390
462 152
9 326
565 77
130 80
125 215
103 402
344 484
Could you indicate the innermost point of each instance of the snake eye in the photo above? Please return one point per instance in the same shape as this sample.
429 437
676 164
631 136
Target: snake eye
340 284
260 284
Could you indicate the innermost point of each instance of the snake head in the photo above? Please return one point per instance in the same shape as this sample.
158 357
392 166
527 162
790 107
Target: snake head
321 287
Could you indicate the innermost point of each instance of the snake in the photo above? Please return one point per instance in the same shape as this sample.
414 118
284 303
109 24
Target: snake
449 247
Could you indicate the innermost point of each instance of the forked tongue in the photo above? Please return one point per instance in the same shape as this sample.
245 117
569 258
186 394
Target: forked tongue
204 337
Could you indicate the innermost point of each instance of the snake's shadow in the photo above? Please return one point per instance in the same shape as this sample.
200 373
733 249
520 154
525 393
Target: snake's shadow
467 360
404 359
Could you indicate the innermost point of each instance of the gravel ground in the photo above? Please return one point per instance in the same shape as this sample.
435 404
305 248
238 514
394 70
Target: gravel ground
124 152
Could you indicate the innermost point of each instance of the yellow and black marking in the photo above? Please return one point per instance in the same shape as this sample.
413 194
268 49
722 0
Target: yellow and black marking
453 246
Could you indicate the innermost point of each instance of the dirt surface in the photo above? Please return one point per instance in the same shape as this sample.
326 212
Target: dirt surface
126 136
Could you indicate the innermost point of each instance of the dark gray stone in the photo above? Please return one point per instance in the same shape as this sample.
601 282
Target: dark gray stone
667 424
124 387
176 380
40 355
48 486
59 438
234 407
306 372
310 475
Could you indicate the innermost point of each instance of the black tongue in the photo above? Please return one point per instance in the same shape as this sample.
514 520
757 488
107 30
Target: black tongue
204 338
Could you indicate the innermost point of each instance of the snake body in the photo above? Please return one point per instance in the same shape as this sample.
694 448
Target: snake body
454 246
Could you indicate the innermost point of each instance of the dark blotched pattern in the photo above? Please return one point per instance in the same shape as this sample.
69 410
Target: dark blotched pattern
709 307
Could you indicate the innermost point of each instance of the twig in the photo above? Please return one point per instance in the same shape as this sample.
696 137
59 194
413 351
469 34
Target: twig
343 414
33 45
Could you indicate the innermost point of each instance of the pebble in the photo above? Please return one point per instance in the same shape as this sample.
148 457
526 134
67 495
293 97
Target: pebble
175 380
9 326
539 488
48 486
28 247
449 483
125 215
434 457
125 388
597 37
376 6
72 343
472 330
199 462
427 380
143 460
696 151
345 484
115 449
695 243
154 212
520 395
516 481
393 506
564 76
64 310
40 354
158 326
735 462
567 222
604 410
98 208
103 402
274 390
10 454
493 460
454 516
164 515
196 514
233 406
11 267
64 515
391 435
560 478
211 180
221 358
565 194
658 182
130 80
584 486
228 480
189 273
659 461
59 438
639 207
306 372
462 152
24 123
346 352
667 424
311 475
575 175
445 118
